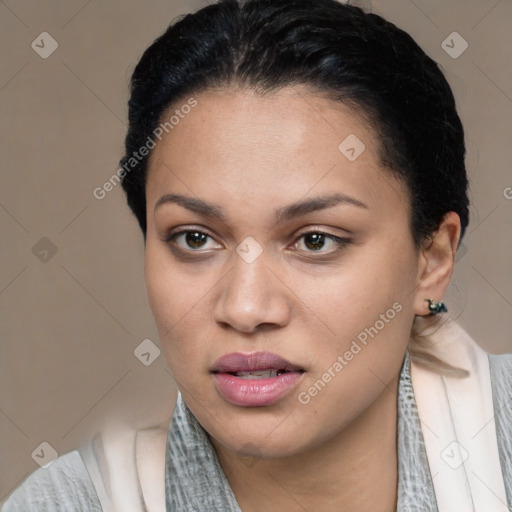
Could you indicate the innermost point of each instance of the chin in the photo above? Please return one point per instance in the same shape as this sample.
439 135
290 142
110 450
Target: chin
267 432
255 444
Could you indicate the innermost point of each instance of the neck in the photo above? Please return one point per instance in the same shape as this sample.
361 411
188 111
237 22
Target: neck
355 470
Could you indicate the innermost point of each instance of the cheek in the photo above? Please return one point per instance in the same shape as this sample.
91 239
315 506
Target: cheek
172 292
178 301
369 313
365 286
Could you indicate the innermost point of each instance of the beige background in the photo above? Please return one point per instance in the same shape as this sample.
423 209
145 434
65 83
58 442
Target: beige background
70 324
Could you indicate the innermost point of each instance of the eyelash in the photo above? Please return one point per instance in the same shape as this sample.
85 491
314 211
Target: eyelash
340 241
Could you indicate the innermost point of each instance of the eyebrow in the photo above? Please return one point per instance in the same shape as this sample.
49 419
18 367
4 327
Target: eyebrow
283 214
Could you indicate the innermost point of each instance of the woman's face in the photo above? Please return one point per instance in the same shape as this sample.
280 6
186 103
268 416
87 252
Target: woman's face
231 191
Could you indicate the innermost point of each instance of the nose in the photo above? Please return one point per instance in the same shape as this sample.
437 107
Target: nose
252 297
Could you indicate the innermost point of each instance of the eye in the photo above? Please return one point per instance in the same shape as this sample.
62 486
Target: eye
315 241
190 240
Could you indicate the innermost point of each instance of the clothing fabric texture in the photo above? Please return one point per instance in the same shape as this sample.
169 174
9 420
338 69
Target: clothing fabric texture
195 481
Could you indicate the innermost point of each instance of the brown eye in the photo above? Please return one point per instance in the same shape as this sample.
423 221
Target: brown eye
315 241
190 240
195 239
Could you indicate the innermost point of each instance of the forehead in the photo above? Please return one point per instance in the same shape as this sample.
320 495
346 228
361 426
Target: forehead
241 144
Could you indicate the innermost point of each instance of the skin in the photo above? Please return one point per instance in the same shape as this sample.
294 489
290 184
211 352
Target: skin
250 155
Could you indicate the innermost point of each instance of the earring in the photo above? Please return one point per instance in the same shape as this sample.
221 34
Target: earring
436 307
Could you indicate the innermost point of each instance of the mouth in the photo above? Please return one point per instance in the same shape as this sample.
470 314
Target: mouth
254 365
258 374
256 379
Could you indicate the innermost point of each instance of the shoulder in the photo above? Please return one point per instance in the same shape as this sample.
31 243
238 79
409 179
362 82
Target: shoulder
500 367
501 364
501 379
64 485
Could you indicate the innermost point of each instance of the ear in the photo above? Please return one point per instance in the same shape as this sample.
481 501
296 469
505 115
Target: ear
436 261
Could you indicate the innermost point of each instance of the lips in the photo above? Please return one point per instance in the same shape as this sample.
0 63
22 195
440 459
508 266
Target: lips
253 362
255 380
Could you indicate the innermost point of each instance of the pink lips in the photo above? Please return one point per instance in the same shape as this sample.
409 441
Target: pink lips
256 392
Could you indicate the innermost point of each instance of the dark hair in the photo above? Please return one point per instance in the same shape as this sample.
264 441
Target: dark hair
355 57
